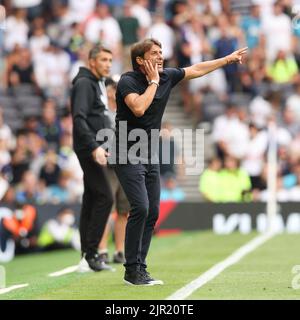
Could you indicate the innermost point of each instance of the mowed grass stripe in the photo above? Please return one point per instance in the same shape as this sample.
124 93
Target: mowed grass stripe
175 259
218 268
263 274
33 269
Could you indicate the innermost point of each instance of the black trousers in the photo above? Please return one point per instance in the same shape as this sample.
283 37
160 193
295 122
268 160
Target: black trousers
97 202
141 184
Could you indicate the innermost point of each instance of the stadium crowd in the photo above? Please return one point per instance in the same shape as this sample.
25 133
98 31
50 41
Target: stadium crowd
44 42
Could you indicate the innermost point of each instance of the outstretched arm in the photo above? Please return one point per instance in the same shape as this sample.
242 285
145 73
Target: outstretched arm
202 68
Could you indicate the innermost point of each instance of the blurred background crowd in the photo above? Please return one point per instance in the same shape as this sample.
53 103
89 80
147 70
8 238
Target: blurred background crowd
44 42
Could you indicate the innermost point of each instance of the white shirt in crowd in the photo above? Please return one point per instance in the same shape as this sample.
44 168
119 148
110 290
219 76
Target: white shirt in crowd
52 70
233 132
260 111
253 161
37 44
293 103
16 32
164 34
266 7
108 30
143 16
278 32
79 10
26 3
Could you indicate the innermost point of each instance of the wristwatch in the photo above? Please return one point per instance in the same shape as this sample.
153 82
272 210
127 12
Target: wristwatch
153 81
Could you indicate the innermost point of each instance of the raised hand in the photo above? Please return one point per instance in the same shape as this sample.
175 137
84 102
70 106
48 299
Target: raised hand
237 56
151 71
100 156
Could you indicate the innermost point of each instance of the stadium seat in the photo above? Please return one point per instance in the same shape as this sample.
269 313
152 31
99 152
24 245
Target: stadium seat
29 105
22 90
212 107
240 99
7 102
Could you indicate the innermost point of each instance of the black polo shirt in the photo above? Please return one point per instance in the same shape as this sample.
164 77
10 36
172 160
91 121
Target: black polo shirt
136 82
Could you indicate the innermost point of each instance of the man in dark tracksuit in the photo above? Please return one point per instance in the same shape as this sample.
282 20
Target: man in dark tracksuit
89 111
141 97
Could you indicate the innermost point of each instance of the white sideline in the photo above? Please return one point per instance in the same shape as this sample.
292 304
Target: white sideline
6 290
63 271
187 290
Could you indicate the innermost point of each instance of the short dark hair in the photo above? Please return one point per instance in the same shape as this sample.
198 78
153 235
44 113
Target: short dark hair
96 50
140 48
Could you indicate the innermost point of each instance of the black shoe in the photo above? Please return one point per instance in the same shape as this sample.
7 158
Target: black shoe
96 264
104 257
148 277
119 257
136 278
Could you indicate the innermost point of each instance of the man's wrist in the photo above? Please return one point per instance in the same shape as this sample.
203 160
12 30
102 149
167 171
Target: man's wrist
153 82
227 60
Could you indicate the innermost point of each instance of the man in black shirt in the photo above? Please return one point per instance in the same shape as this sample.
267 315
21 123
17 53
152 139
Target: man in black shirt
89 111
141 97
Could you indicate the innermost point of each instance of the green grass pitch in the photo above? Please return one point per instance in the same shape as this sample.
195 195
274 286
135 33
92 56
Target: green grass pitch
266 273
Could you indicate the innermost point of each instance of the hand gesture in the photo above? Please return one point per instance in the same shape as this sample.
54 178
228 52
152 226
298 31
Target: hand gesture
151 71
237 56
100 156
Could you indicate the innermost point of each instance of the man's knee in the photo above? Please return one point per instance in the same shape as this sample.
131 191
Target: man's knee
104 197
140 209
153 214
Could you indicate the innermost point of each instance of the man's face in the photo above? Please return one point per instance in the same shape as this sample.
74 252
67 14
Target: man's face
102 64
155 56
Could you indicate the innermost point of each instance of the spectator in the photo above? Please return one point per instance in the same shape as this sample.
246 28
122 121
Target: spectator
131 32
289 122
235 184
165 34
223 46
29 190
20 157
22 72
5 157
278 24
169 152
16 32
6 133
284 69
140 10
60 192
50 128
17 231
50 171
38 42
52 67
230 133
79 11
251 26
170 189
293 101
253 161
36 149
209 184
68 161
105 29
60 232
